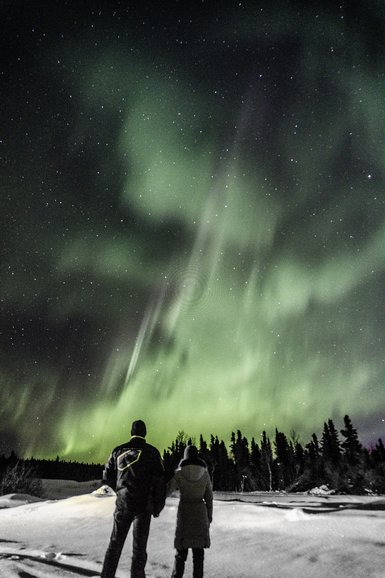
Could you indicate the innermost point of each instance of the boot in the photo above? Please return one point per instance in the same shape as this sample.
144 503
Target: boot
178 569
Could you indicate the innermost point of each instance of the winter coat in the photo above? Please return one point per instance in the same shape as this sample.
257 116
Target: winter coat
195 509
135 471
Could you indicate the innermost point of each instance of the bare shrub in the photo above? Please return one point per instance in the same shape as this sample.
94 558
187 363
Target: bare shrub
20 478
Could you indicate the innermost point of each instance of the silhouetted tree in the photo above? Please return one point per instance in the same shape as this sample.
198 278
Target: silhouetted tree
354 467
240 450
224 477
174 454
202 445
299 459
351 446
255 466
330 443
377 461
378 453
206 456
284 462
309 464
266 463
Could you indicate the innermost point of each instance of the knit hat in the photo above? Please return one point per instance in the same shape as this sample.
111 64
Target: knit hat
138 428
190 453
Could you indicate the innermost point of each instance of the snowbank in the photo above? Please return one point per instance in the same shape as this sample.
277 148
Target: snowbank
280 536
56 489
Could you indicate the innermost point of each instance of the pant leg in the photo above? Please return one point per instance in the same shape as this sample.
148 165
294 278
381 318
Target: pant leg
121 526
141 530
179 562
198 557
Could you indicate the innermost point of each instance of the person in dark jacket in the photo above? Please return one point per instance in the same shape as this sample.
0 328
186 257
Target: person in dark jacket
135 471
195 511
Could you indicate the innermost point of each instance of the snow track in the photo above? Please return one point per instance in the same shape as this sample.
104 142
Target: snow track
38 564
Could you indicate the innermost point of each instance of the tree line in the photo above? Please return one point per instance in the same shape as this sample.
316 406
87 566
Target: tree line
25 475
337 460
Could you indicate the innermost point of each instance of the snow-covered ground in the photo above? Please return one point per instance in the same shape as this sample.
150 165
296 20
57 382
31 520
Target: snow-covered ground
275 535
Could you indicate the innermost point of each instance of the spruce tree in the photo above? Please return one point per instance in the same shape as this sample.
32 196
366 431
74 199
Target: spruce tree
223 473
377 458
266 463
206 456
216 466
202 445
299 458
312 465
240 450
255 465
227 468
378 453
284 461
351 445
331 448
255 454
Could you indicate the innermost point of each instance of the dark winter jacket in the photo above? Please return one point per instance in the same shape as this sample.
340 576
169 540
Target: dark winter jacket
195 509
135 471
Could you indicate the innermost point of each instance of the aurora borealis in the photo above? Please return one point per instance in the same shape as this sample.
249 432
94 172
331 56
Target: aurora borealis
193 225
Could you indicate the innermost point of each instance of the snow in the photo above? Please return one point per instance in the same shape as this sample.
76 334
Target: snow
253 535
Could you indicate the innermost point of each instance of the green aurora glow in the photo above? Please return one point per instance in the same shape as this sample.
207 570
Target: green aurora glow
197 237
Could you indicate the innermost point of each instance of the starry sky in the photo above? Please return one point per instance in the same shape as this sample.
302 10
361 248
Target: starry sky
193 225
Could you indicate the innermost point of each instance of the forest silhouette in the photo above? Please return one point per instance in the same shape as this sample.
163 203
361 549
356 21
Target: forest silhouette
336 460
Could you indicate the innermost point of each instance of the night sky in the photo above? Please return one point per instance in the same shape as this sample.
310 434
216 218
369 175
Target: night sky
192 221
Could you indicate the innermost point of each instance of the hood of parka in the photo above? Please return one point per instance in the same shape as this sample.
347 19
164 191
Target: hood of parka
192 472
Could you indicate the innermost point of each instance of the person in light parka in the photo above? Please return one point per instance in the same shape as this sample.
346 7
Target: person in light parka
195 511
